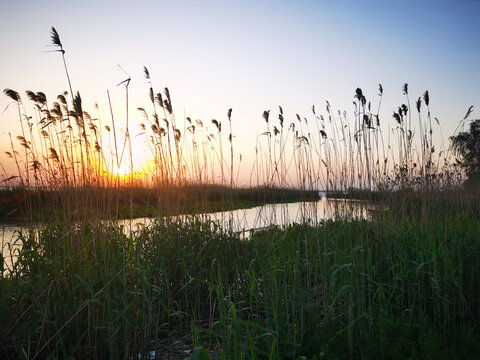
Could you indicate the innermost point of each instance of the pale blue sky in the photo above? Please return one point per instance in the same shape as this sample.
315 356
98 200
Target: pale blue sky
248 55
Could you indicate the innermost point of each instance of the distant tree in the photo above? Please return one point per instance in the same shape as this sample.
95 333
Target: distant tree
467 145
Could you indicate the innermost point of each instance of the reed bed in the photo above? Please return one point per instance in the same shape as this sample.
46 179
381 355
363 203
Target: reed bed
396 287
403 284
61 145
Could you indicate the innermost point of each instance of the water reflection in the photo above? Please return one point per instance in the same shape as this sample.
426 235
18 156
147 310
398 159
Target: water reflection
241 221
244 220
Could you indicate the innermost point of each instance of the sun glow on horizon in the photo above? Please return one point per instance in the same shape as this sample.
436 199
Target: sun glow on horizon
209 71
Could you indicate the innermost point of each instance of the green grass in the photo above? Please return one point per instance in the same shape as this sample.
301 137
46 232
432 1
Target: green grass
392 288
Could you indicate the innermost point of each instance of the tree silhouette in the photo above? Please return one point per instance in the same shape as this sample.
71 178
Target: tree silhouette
467 145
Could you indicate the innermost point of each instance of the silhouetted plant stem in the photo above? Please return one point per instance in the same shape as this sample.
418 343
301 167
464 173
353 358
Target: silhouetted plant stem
229 115
14 154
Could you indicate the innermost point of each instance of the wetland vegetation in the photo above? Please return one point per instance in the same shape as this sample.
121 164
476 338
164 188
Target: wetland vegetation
402 284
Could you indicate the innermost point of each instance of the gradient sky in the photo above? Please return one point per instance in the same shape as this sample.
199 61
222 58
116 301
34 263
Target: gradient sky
247 55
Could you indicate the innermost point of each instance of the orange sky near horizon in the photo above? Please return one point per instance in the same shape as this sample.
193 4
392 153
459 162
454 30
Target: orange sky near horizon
249 56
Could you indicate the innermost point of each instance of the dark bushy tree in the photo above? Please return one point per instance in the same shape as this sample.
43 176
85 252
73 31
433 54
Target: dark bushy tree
467 145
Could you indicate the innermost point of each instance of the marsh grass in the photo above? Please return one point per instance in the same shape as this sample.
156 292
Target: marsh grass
388 288
402 285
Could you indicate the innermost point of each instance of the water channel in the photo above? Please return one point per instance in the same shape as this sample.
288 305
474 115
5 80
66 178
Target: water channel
241 221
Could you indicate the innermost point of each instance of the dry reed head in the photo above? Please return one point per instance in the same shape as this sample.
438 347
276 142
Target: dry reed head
265 115
426 98
12 94
55 38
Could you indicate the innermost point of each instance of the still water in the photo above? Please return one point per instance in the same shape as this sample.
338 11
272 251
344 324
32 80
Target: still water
242 221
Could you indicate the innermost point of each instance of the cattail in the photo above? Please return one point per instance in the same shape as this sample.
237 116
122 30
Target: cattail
419 104
380 89
405 89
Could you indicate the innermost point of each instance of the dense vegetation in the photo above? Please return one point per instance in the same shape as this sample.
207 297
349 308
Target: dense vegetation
22 205
467 145
399 286
403 283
